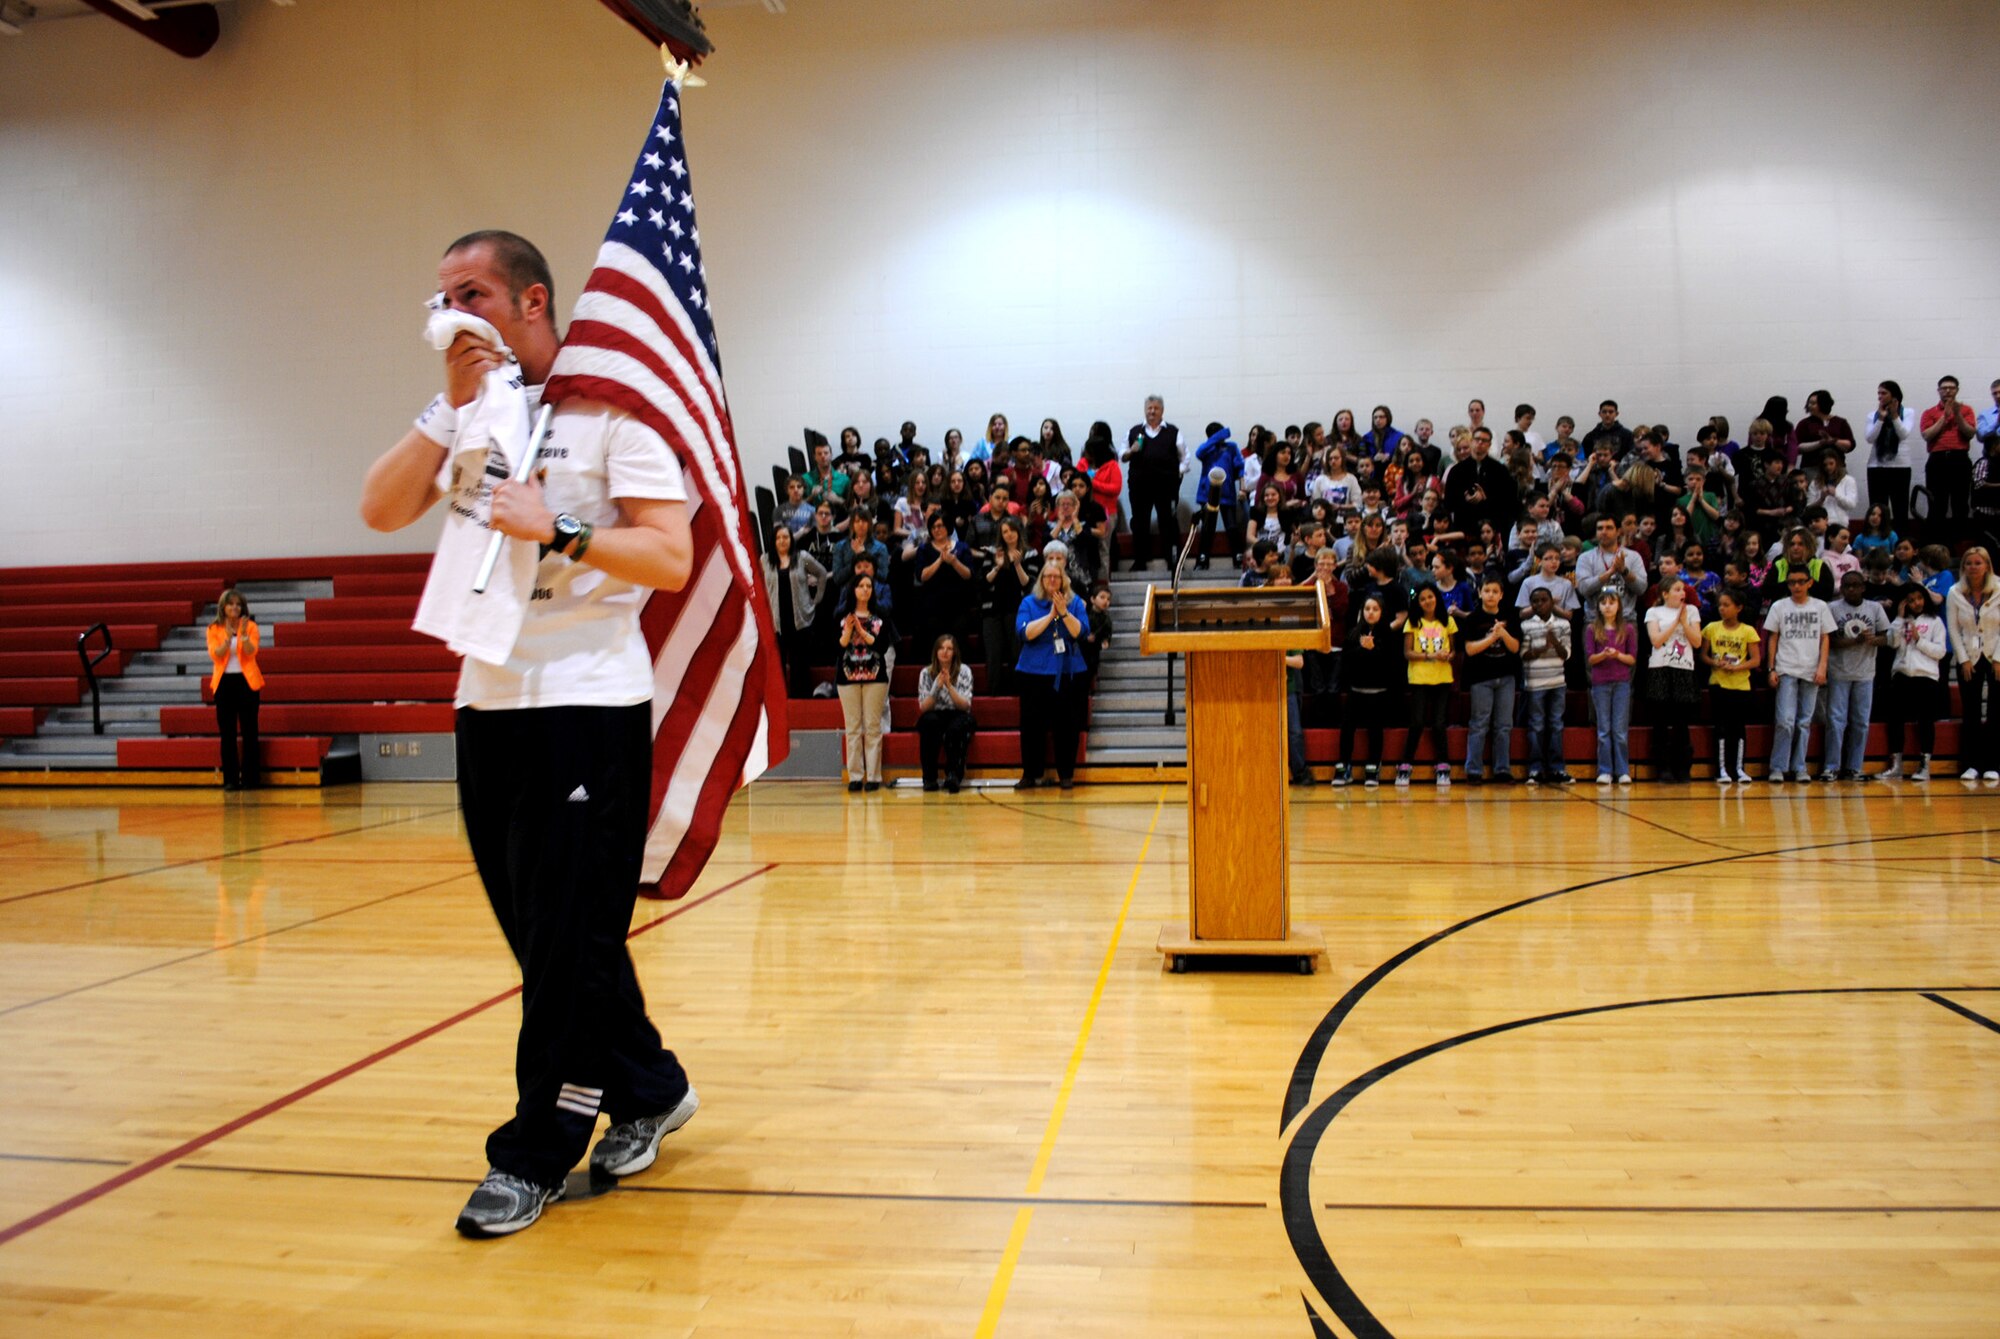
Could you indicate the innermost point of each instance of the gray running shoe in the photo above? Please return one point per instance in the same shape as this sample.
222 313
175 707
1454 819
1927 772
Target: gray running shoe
504 1203
630 1147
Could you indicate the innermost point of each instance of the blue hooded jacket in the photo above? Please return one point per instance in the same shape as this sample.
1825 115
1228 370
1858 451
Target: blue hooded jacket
1218 450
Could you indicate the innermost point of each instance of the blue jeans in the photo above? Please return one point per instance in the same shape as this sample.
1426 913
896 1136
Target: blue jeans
1792 729
1849 703
1492 710
1612 703
1545 731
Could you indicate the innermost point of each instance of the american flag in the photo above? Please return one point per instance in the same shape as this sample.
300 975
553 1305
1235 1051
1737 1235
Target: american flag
643 340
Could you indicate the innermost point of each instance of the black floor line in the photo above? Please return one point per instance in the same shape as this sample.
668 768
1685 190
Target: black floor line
51 1157
1961 1010
236 943
1294 1184
1299 1091
742 1192
1605 804
1034 811
226 855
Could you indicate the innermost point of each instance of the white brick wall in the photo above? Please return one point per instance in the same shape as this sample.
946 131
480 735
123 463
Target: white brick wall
209 271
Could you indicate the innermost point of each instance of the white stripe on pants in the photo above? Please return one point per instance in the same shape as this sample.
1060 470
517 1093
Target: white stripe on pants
862 706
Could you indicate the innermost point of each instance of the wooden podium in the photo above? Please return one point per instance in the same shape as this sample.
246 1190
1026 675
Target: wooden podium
1239 819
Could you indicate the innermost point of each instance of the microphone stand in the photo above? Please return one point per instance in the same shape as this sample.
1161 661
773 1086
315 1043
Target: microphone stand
1187 547
522 468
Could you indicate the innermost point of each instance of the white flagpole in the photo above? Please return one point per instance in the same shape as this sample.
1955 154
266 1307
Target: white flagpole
522 468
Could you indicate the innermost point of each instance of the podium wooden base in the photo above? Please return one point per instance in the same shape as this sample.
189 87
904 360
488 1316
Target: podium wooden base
1177 946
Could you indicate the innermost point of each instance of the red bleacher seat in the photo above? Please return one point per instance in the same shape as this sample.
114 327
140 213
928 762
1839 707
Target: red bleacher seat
990 748
333 718
220 570
813 713
125 636
20 720
82 596
76 618
401 608
988 713
55 664
1580 745
903 683
379 583
351 632
823 713
49 692
206 754
290 658
354 688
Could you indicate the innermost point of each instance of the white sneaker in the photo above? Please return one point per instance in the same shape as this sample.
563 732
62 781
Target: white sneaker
1993 776
1624 778
1604 778
1743 775
1970 774
630 1148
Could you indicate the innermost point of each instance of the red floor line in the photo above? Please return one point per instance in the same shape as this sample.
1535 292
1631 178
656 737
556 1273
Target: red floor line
201 1141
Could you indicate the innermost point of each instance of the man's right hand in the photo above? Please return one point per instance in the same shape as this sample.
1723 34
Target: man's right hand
466 364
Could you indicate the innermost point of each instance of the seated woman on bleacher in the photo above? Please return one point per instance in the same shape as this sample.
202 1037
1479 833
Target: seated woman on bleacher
237 685
944 720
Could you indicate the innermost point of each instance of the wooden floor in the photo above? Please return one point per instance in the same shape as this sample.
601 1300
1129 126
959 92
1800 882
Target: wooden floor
1654 1063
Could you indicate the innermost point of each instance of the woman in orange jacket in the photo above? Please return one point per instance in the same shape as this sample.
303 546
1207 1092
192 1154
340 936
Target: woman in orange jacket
237 686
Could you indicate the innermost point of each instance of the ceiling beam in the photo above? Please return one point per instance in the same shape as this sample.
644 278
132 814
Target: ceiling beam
188 30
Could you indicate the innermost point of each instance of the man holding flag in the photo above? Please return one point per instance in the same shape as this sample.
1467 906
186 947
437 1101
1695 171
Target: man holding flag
641 688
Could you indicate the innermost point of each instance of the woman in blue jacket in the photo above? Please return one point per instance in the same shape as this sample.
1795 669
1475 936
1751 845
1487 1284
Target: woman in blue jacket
1048 628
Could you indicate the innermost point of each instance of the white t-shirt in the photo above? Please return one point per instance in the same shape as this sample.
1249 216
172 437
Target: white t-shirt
580 644
1677 651
1342 491
1799 627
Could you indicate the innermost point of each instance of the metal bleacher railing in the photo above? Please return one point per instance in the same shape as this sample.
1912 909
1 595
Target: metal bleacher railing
90 664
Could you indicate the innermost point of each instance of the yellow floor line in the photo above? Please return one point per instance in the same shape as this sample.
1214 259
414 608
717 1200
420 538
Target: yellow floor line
996 1297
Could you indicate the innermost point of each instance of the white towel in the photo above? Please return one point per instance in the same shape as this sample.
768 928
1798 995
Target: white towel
493 432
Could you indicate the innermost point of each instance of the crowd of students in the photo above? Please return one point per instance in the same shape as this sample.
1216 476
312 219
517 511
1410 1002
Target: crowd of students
1778 580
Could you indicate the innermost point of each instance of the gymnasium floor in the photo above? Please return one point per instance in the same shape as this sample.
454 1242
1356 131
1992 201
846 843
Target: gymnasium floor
1662 1063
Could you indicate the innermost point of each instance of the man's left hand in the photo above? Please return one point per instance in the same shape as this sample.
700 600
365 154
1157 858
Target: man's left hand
520 512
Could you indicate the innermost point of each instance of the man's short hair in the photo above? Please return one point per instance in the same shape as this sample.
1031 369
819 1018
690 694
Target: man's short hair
1941 380
1483 430
1521 409
517 258
1612 405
